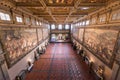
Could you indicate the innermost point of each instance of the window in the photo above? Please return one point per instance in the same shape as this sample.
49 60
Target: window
33 21
27 20
114 16
77 24
52 26
80 23
4 16
18 19
67 26
102 18
93 20
87 22
40 23
37 23
48 26
60 26
83 23
118 16
71 27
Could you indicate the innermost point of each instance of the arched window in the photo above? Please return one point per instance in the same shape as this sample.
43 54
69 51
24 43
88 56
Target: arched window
60 26
52 26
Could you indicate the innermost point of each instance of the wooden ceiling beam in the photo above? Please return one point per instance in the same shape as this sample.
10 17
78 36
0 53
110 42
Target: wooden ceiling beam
43 3
56 13
9 3
73 9
53 20
74 14
24 4
47 9
80 13
13 2
91 4
27 4
59 15
60 5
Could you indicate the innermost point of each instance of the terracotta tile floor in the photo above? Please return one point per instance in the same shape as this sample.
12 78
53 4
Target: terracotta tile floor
60 62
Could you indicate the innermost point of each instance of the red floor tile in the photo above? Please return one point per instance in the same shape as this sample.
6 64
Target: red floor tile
60 62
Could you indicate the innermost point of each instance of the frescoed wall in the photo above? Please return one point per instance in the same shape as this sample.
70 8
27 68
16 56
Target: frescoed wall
17 43
81 31
101 42
39 34
118 49
1 50
75 32
45 33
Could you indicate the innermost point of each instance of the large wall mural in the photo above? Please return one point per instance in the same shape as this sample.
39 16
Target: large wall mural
39 34
45 31
17 43
81 31
101 42
1 50
75 32
118 49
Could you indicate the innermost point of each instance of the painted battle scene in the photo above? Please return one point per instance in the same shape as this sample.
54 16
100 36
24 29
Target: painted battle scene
17 43
1 50
75 32
81 31
101 42
118 49
45 32
39 34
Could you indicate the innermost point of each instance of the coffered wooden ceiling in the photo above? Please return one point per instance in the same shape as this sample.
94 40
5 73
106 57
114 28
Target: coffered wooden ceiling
61 11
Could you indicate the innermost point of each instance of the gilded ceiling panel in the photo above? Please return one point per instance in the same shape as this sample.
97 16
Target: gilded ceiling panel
26 0
61 10
60 1
58 9
94 1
